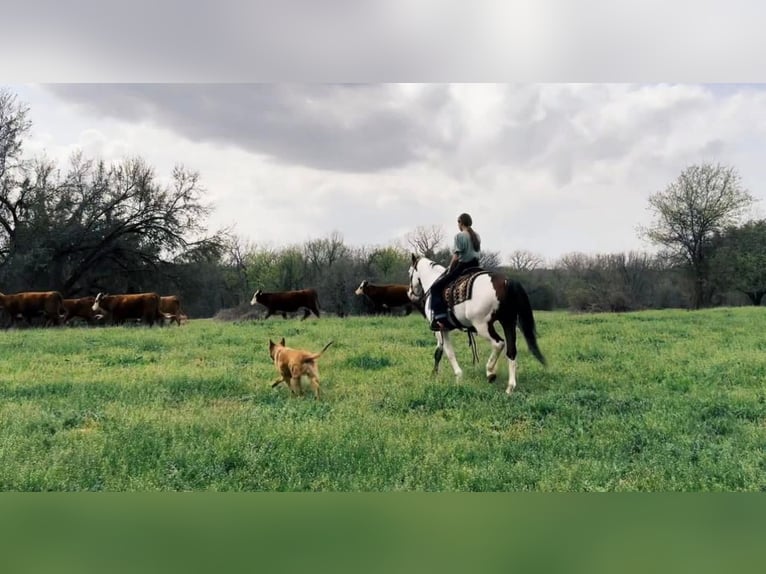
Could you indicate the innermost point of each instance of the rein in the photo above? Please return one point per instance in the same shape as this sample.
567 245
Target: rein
472 344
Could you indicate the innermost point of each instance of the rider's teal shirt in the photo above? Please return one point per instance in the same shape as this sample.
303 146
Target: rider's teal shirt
464 247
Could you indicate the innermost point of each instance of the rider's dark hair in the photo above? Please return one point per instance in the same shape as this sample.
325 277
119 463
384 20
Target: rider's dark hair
465 220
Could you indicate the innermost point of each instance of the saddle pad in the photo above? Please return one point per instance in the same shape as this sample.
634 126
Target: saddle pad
461 288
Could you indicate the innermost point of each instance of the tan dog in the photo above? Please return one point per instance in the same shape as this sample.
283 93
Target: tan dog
292 364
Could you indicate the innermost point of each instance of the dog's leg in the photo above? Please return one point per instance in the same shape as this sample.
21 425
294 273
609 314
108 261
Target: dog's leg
295 385
315 385
296 370
313 375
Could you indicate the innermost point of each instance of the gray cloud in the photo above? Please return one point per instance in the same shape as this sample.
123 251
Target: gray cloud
352 128
559 129
548 167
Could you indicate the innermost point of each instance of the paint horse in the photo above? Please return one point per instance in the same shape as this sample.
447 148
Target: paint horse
494 298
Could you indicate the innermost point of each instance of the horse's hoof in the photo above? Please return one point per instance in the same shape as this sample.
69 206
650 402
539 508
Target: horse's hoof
491 378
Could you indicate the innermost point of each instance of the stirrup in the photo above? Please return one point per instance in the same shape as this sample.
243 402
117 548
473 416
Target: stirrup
439 324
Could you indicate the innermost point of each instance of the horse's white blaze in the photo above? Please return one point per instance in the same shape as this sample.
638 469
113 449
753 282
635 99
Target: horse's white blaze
511 376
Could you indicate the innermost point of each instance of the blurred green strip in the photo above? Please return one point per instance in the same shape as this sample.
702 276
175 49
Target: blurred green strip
393 532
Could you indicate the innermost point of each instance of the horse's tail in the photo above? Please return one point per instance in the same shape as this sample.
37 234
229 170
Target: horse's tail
517 298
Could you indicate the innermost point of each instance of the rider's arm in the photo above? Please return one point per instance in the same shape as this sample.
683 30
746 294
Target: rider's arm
453 261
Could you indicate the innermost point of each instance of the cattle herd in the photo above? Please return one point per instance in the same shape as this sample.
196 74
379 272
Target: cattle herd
49 308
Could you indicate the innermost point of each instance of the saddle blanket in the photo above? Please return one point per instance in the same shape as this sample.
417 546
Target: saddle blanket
460 289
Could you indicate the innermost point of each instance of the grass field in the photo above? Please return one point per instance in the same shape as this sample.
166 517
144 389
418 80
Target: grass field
658 401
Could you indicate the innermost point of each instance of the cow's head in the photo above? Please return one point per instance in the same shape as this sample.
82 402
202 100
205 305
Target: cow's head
360 289
254 300
96 304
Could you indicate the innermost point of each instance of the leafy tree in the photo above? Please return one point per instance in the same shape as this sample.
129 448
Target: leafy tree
739 260
388 265
702 201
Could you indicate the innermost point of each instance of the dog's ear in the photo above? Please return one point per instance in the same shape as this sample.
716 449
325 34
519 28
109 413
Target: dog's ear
414 258
271 344
282 341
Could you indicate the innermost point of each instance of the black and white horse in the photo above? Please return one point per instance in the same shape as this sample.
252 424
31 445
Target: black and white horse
494 298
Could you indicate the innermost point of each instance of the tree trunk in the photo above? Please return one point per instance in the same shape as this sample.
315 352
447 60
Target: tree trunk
698 293
755 296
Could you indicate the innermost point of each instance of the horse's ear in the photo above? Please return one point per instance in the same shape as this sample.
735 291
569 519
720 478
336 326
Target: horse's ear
414 258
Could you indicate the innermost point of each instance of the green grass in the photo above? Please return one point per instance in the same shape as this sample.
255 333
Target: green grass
658 401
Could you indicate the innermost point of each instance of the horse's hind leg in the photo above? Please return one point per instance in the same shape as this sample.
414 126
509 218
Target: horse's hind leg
487 330
509 328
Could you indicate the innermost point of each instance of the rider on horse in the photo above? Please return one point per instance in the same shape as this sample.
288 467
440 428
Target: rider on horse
465 255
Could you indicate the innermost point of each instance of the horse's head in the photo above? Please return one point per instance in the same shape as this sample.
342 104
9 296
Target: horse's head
415 291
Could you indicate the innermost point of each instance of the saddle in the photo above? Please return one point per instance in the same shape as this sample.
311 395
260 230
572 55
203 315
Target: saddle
459 290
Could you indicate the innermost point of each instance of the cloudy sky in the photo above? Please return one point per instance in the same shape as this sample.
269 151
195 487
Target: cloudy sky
315 138
551 168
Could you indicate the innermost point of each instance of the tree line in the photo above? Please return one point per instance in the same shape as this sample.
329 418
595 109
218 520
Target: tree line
89 226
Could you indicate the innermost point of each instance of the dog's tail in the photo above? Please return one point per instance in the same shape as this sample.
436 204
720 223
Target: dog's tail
319 354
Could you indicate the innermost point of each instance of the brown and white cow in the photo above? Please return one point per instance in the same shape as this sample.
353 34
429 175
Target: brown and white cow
31 304
170 307
287 302
121 308
386 297
82 308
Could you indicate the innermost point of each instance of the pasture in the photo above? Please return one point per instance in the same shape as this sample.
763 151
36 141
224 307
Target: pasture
650 401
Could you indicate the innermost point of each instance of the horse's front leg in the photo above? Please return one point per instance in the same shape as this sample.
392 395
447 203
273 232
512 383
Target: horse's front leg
450 350
438 352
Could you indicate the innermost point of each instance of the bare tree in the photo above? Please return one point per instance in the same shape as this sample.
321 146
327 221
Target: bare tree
236 254
424 240
13 127
523 260
322 253
489 259
99 222
702 201
14 186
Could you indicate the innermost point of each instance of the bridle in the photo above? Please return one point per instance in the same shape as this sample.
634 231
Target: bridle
411 293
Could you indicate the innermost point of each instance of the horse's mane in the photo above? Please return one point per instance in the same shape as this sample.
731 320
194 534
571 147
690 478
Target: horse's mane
431 262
